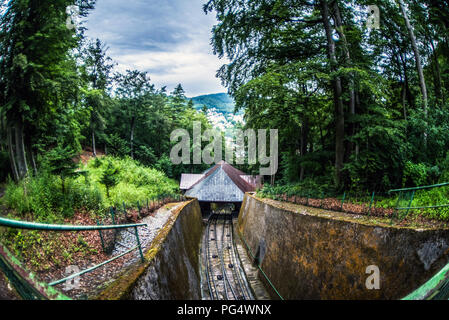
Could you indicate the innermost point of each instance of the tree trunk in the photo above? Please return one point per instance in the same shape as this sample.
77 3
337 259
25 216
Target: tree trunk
407 82
20 150
352 99
404 99
3 128
33 161
422 80
339 108
133 124
12 157
94 150
303 147
437 74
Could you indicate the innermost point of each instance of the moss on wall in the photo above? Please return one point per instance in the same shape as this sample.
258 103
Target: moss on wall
323 255
171 269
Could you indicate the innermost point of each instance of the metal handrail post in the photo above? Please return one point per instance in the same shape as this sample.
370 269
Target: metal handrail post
410 203
101 237
138 244
371 203
343 201
112 215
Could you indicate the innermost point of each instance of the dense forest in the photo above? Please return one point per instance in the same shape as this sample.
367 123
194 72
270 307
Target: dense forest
357 107
361 108
58 88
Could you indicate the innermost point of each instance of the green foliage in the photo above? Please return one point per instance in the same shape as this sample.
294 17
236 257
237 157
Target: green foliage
117 146
41 196
308 189
283 73
135 182
59 161
110 177
415 174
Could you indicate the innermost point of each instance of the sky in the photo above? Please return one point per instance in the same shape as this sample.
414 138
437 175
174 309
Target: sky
168 38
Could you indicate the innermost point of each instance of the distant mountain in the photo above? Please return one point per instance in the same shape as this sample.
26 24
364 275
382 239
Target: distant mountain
220 111
221 102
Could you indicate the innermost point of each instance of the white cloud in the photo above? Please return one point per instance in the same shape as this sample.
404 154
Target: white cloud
194 69
168 39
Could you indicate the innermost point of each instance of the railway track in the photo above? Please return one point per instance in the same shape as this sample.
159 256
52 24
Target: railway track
226 279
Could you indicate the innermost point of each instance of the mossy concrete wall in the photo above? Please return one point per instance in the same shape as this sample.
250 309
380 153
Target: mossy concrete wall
171 270
315 254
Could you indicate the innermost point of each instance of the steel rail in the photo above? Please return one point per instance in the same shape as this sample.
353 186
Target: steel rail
214 280
223 255
209 268
260 268
233 261
244 288
206 257
220 255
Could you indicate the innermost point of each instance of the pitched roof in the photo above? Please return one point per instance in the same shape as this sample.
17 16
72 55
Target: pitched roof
188 180
222 182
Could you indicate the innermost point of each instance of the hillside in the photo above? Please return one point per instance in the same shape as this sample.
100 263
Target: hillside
222 102
220 111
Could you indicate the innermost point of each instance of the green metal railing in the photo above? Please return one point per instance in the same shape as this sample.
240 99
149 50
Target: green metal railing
30 293
70 228
407 195
437 288
25 283
366 201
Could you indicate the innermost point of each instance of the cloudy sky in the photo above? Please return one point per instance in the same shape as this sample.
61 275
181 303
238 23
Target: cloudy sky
168 38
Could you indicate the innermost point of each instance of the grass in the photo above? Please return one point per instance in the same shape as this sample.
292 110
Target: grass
40 198
136 182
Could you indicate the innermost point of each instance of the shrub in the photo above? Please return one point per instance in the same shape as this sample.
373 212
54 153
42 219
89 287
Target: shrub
110 177
42 197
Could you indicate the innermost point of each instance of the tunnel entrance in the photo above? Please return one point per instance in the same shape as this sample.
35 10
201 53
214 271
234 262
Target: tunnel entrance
209 208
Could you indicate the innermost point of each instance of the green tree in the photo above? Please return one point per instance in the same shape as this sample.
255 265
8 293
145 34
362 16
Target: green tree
110 177
61 162
97 67
133 88
38 76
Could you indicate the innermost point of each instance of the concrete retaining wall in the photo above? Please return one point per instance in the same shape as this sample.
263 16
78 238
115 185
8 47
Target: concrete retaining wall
171 270
313 254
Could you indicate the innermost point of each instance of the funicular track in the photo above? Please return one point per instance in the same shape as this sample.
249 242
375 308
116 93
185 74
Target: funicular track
226 279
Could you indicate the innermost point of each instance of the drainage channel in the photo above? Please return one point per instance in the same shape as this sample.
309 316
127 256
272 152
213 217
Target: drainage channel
223 275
